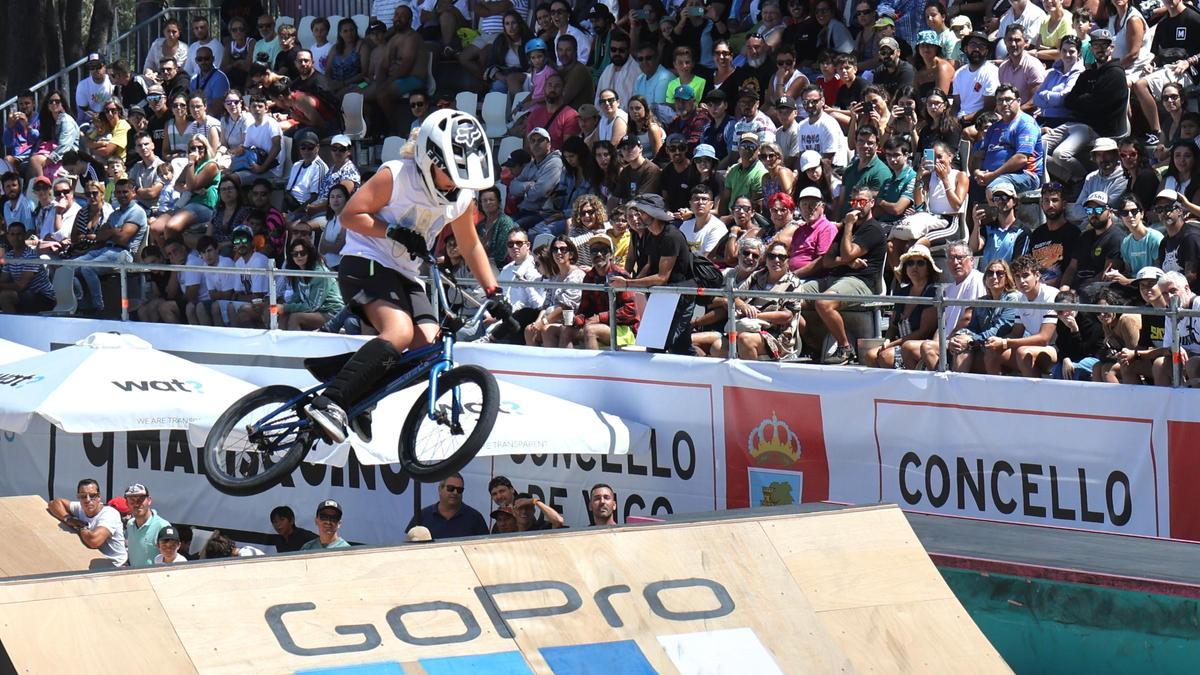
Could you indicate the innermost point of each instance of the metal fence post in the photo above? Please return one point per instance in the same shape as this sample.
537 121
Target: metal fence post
271 295
730 320
612 316
124 293
940 297
1176 360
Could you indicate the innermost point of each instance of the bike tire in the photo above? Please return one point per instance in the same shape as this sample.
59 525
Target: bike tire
418 420
225 476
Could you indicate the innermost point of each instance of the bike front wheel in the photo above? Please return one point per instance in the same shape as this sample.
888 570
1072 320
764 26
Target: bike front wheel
257 442
468 400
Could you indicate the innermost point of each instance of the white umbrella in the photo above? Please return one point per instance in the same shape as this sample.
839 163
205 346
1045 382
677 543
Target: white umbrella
15 351
530 422
112 382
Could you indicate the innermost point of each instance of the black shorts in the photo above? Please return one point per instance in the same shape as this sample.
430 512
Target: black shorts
34 303
363 281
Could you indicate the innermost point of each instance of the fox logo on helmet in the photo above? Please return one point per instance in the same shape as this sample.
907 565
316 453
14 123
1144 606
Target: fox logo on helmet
467 133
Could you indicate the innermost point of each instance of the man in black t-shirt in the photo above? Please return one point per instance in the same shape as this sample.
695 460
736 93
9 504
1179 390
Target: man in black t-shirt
668 263
1053 244
854 263
678 177
1180 247
1098 249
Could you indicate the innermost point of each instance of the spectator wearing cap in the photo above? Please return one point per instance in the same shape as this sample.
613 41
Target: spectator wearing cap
304 179
98 525
690 121
813 237
668 262
1136 362
167 545
449 517
141 531
1098 103
1004 238
341 171
1021 68
744 178
749 120
534 185
589 123
329 522
892 74
244 308
678 176
590 327
621 72
975 82
1180 248
93 91
1014 151
819 131
288 537
638 175
652 80
787 130
555 115
1108 177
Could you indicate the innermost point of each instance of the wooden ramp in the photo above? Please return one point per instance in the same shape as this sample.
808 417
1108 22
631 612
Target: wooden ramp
842 591
33 542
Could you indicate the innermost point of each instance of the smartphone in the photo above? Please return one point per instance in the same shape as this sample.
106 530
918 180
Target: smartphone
641 14
695 11
929 157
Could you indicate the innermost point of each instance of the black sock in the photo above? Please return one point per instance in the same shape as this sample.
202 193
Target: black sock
362 372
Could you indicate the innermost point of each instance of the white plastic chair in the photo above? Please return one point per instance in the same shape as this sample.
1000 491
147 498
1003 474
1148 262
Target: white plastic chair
333 23
65 303
284 21
352 116
508 144
304 33
467 101
362 21
391 148
495 114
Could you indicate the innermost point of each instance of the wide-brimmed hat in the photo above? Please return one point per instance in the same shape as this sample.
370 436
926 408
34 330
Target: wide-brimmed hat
918 251
652 205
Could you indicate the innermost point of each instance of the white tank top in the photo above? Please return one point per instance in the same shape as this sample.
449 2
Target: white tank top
937 202
409 206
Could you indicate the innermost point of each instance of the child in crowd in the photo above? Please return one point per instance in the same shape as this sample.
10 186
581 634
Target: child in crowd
168 547
114 171
828 80
169 195
539 72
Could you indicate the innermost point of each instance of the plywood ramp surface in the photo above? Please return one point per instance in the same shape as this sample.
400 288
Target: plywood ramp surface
33 542
844 591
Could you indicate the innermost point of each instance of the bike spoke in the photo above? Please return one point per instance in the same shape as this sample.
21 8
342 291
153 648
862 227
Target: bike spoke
246 453
457 414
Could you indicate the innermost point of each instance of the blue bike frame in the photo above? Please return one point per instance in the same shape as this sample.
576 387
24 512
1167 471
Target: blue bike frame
434 359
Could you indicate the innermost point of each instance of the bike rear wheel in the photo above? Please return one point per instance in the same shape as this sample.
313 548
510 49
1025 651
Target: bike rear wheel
239 463
467 404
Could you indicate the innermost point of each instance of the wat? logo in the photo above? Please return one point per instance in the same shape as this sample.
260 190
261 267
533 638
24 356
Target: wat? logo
773 442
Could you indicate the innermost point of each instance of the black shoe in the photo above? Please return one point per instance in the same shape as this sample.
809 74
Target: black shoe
362 426
840 357
329 418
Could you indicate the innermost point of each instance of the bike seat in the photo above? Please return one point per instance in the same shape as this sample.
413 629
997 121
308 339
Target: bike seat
325 367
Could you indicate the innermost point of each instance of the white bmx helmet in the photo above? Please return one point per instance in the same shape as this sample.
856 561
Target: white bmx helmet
455 142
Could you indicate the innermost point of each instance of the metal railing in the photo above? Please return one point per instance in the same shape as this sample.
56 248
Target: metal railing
1173 312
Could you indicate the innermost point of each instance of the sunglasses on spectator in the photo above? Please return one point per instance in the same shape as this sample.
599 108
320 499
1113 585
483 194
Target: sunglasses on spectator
777 257
886 51
416 104
676 147
647 58
785 64
587 212
232 101
241 241
61 193
308 146
770 156
517 244
601 251
1163 210
453 488
179 105
1170 97
859 203
153 98
299 253
998 274
750 255
560 249
339 148
329 518
916 262
1095 210
1000 198
1128 213
741 207
608 101
88 497
59 101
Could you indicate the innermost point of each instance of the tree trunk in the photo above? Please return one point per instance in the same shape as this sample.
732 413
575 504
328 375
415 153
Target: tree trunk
72 29
100 31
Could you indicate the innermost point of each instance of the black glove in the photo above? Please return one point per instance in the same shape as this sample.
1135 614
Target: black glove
501 310
414 242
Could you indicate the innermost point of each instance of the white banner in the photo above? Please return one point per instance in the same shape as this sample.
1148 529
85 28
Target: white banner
726 435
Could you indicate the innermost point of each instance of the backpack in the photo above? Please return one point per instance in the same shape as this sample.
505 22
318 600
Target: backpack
705 273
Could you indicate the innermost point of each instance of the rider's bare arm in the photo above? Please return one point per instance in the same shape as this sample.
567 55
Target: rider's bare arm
371 198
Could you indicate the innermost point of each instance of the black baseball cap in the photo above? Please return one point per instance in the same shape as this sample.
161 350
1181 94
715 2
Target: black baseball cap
517 158
168 533
330 504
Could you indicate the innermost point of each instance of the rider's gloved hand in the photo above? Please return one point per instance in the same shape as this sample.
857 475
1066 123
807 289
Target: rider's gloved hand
500 309
414 242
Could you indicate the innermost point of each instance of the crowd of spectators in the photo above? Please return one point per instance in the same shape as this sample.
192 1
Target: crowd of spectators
892 147
129 532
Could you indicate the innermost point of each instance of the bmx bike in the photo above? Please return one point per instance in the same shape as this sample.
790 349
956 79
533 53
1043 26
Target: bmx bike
264 436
